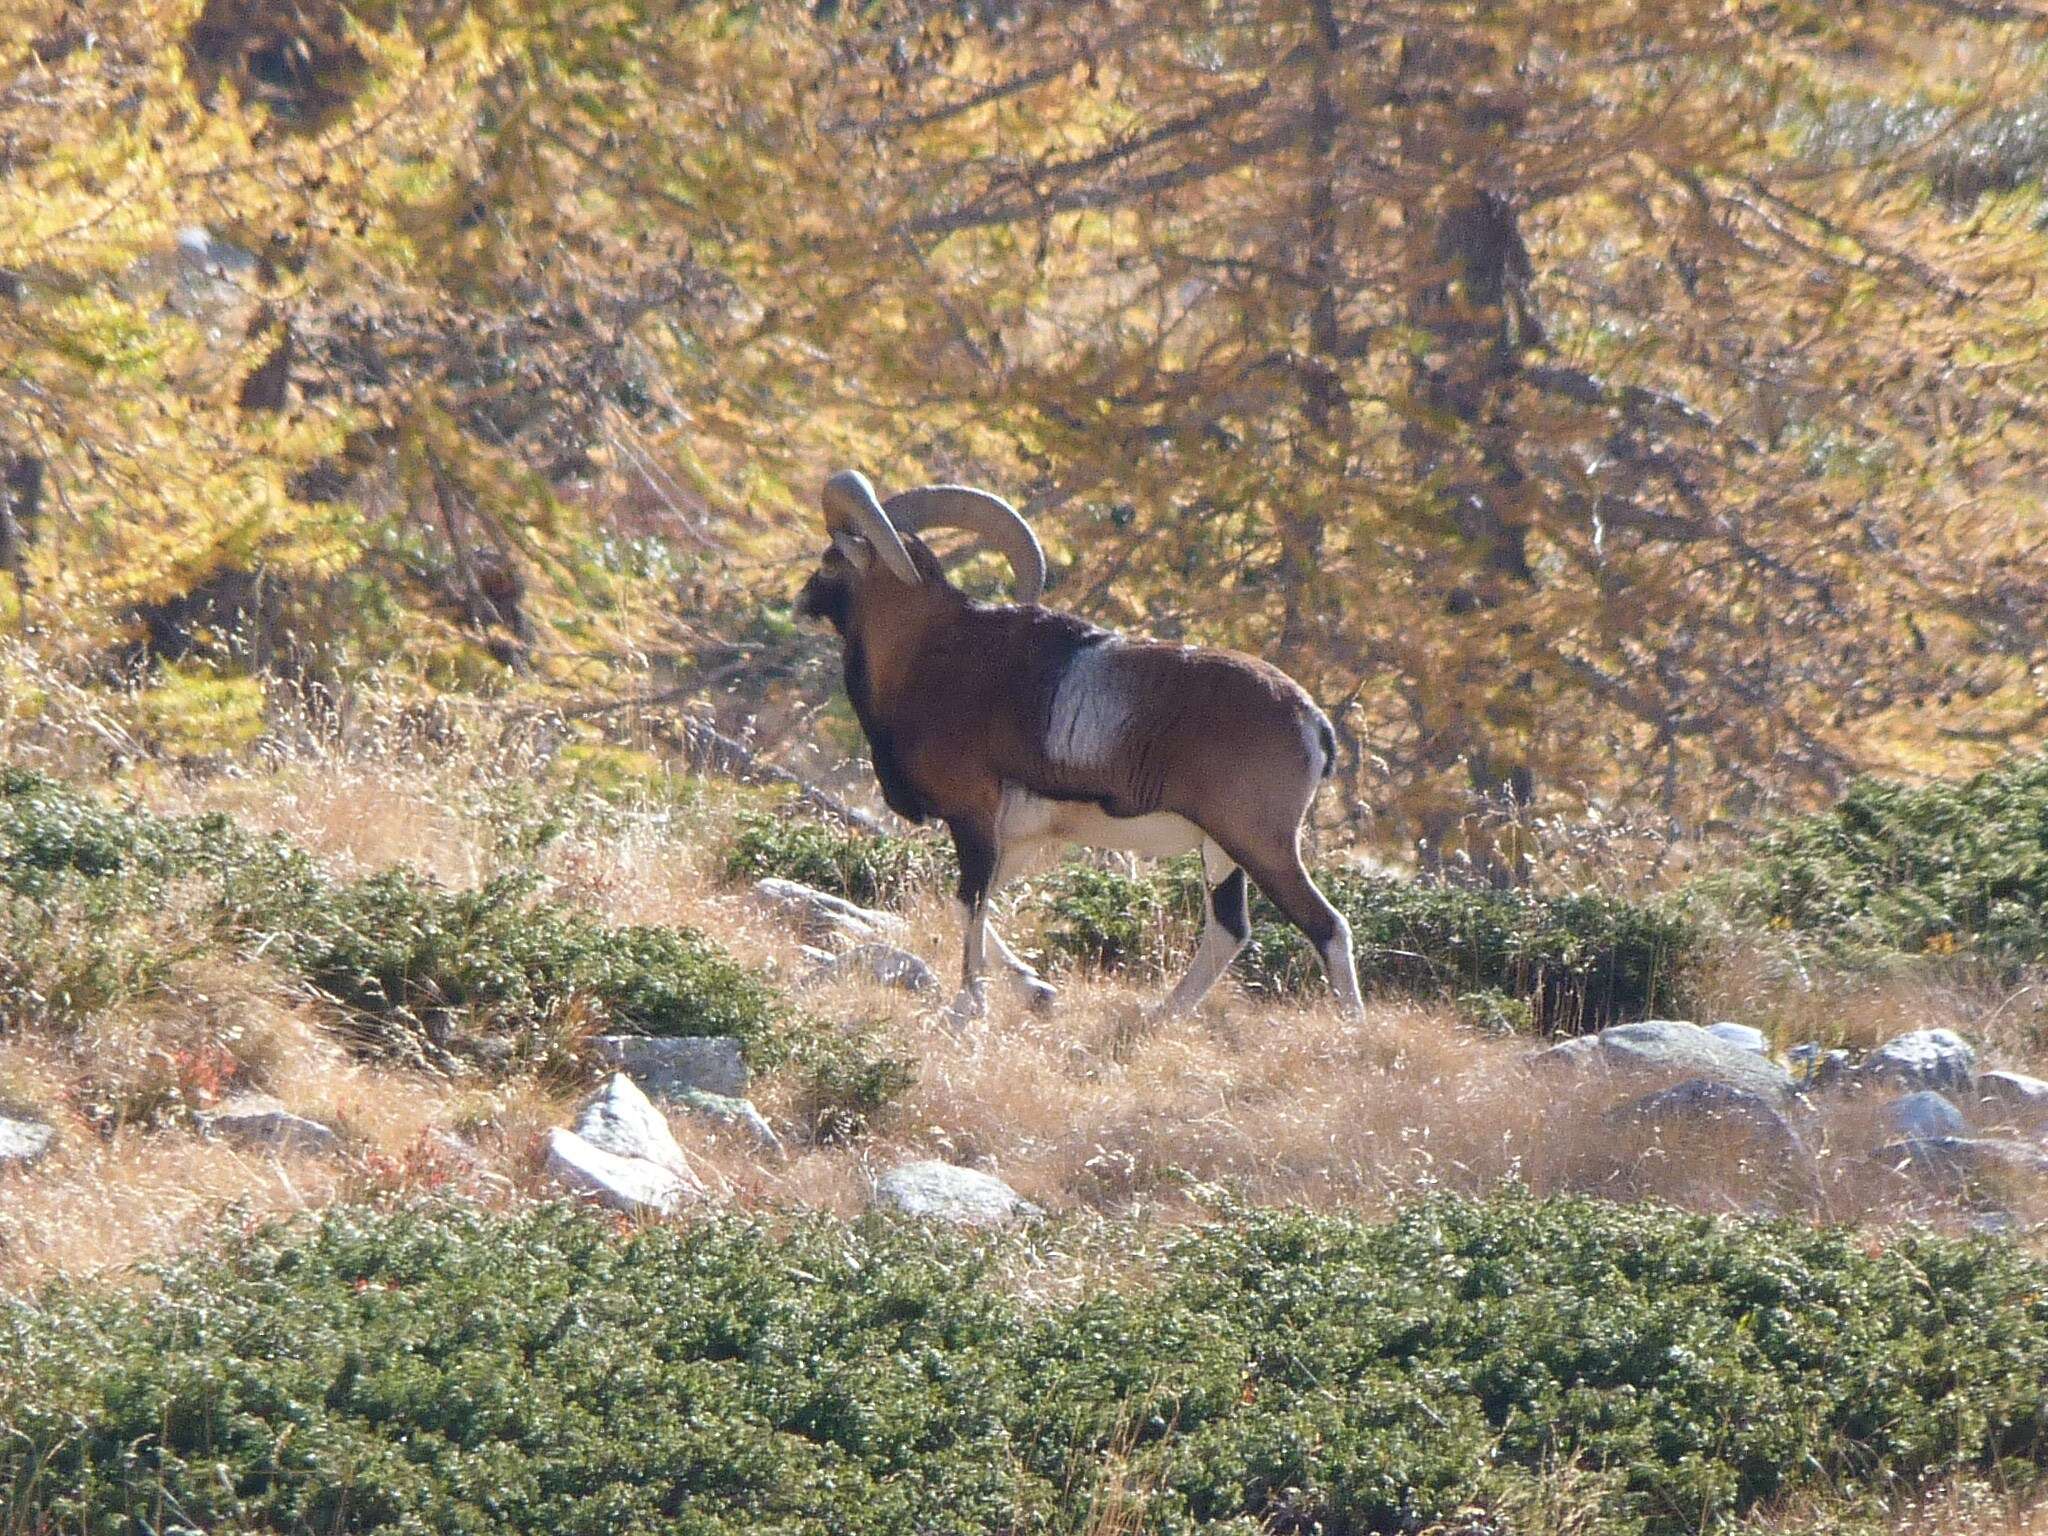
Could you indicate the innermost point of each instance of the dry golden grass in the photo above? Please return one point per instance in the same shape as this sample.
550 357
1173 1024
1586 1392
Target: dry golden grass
1967 1509
1086 1109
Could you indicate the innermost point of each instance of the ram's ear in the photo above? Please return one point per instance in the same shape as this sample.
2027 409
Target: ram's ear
860 554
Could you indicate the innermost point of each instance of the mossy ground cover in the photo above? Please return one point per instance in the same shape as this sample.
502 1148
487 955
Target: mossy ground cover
439 1369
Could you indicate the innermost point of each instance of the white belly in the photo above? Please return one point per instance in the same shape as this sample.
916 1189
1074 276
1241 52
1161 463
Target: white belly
1029 818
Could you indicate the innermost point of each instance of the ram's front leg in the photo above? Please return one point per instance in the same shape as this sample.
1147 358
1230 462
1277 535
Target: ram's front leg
974 842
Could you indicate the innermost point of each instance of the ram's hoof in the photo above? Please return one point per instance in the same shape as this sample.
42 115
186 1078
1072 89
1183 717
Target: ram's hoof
1041 995
968 1005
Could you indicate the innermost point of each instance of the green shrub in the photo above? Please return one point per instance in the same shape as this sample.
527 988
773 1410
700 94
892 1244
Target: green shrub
447 1370
86 919
1939 867
67 955
1495 1013
49 831
874 870
848 1087
417 963
1578 961
396 945
1105 920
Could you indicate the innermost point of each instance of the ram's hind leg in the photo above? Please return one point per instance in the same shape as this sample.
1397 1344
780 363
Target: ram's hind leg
1225 928
1039 992
1286 883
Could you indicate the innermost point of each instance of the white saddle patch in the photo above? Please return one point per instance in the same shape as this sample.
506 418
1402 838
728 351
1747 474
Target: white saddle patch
1091 710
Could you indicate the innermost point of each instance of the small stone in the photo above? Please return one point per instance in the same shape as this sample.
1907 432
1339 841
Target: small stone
259 1121
668 1066
1922 1058
23 1141
1744 1037
630 1184
825 916
1918 1116
945 1192
619 1119
737 1114
889 964
2014 1096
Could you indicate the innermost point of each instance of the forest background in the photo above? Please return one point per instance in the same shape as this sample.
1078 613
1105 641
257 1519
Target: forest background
1601 408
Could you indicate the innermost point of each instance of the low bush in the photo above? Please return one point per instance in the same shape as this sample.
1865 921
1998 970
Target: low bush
417 963
497 959
50 832
442 1369
1105 920
1939 867
65 956
874 870
85 919
1578 961
849 1086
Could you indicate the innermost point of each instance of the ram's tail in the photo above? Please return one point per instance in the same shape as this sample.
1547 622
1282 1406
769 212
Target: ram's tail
1327 734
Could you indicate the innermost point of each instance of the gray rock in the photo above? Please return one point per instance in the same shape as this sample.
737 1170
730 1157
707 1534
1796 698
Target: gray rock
825 916
1954 1162
948 1193
200 249
668 1067
1813 1067
1921 1058
630 1184
1672 1048
619 1119
1919 1116
889 964
1700 1101
735 1114
259 1121
23 1141
2013 1096
1744 1037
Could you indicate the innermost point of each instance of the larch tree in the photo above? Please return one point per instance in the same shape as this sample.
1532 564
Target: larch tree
1589 400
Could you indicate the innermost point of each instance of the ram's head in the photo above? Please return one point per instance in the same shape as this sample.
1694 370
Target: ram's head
874 540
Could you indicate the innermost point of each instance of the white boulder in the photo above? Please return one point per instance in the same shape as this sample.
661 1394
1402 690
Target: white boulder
670 1066
944 1192
23 1141
630 1184
825 916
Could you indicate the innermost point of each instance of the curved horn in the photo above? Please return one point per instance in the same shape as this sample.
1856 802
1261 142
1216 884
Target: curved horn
982 513
850 505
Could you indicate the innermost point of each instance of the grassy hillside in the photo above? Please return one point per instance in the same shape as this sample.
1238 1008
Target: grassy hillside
414 941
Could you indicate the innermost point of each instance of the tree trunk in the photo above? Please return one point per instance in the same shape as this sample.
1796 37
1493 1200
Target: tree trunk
1470 272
